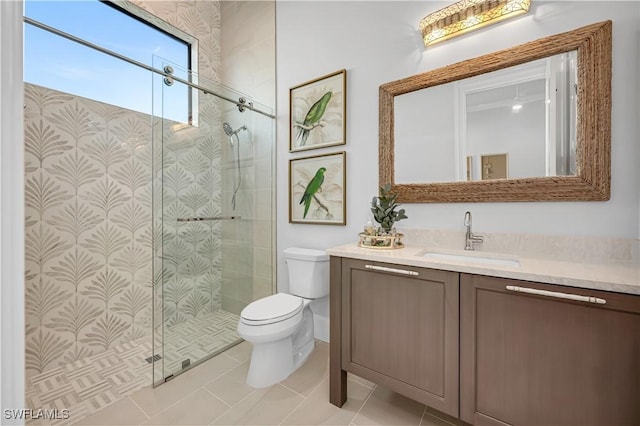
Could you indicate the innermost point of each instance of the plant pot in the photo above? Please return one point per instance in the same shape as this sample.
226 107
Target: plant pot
381 242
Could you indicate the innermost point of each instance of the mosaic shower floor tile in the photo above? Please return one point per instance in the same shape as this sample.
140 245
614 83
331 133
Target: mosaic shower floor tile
81 388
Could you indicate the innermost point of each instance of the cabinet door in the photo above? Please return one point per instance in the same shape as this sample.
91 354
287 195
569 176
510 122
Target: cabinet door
530 359
400 329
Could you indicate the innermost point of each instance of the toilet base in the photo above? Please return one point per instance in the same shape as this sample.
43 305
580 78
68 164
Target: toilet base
270 363
273 362
303 354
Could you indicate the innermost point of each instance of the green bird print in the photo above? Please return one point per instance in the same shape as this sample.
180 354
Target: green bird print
313 187
313 117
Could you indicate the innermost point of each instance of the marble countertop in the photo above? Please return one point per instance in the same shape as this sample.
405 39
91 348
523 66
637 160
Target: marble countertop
620 278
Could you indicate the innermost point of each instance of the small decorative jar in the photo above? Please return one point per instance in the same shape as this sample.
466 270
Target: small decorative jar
381 241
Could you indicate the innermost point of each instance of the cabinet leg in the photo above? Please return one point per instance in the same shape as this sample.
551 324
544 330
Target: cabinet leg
337 386
337 376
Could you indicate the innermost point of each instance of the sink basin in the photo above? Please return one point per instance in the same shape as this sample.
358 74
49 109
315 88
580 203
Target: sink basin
483 258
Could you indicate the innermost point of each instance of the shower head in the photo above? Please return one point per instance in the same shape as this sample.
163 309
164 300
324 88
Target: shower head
229 130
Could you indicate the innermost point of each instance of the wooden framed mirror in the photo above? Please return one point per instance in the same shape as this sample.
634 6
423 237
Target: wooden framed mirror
587 175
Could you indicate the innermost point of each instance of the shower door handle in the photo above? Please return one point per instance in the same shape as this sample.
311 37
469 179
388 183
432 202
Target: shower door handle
202 219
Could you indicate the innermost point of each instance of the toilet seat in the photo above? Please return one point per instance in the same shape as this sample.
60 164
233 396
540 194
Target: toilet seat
272 309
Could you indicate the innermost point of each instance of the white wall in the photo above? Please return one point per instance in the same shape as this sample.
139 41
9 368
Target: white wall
11 211
521 136
425 130
377 42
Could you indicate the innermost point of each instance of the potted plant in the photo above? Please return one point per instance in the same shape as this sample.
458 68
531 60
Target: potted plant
383 208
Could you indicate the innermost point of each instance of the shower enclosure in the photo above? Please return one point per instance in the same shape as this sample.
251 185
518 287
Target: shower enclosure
213 165
147 230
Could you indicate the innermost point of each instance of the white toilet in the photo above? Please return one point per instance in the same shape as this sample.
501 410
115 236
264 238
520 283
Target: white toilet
280 327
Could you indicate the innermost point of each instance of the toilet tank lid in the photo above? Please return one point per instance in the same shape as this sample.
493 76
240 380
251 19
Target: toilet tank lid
305 254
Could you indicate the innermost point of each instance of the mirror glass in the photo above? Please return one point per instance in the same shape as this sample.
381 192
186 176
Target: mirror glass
527 123
517 122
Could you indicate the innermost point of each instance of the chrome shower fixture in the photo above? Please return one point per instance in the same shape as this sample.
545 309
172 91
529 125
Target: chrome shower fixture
229 130
238 178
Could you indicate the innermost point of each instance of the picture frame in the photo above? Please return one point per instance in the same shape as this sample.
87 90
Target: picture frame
317 112
323 204
494 166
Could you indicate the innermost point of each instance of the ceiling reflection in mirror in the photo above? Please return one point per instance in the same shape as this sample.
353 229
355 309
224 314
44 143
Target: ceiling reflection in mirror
517 122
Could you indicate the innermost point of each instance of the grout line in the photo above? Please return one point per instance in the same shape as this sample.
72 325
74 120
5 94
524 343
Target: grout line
322 379
359 380
139 408
216 396
233 406
224 373
176 401
304 398
371 390
435 415
233 358
424 411
289 389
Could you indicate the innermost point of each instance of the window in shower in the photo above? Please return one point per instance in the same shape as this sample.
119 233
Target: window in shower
58 63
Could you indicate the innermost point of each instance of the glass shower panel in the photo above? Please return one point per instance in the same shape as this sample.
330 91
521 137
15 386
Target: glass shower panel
248 171
209 169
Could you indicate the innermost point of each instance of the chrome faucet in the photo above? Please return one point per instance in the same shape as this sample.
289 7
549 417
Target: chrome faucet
470 238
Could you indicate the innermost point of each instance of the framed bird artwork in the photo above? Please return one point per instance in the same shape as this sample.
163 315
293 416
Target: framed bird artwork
317 189
318 112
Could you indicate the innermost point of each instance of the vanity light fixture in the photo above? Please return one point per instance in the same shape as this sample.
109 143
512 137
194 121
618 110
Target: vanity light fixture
467 15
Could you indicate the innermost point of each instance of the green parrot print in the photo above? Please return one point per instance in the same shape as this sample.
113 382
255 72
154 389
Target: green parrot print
313 187
313 117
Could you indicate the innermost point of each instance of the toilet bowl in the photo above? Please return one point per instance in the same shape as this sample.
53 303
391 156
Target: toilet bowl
280 327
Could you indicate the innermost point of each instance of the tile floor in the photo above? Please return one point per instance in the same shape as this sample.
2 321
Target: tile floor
96 382
215 393
198 338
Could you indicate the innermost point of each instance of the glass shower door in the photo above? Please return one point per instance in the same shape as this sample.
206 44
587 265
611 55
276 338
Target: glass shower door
206 156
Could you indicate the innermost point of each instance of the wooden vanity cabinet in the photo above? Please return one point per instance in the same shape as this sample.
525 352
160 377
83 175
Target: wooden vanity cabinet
528 359
399 327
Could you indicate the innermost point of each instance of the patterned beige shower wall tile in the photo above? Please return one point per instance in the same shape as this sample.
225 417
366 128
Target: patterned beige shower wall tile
264 173
262 262
239 288
77 222
262 287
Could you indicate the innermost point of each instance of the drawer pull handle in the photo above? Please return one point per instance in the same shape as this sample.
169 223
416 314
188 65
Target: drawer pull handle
392 270
557 294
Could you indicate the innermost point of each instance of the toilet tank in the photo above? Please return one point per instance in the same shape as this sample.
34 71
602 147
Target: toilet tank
308 272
